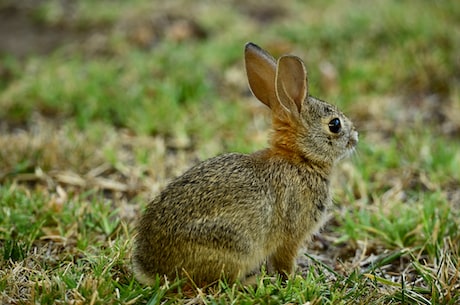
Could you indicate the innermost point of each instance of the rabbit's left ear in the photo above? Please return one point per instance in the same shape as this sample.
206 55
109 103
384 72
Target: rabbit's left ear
291 83
261 70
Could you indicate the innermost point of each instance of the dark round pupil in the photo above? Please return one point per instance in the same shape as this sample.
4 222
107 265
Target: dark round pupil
334 125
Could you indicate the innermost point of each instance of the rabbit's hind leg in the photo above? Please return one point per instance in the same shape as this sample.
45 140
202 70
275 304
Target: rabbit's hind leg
208 265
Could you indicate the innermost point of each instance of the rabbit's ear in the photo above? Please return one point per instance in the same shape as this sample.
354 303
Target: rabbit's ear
261 70
291 84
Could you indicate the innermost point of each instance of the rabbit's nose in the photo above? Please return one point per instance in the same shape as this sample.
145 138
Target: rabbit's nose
353 138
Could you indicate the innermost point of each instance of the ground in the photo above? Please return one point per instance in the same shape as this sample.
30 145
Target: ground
102 103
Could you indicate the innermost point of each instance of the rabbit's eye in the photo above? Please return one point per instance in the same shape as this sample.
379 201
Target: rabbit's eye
335 125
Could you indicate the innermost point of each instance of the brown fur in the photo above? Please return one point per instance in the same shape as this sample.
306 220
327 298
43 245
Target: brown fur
227 215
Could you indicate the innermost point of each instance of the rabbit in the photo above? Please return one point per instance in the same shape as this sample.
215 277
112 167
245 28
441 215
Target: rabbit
226 216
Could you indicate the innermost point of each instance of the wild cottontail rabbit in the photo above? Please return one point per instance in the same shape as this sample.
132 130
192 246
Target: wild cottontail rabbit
227 215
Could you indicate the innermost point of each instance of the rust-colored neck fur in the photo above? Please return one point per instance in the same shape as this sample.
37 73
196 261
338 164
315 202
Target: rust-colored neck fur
283 145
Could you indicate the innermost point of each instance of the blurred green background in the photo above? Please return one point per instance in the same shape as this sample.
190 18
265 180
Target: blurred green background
156 67
102 102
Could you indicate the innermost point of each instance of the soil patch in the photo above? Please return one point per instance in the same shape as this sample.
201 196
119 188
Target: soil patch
23 34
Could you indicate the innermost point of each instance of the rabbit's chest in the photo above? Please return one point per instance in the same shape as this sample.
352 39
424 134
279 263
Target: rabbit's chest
303 208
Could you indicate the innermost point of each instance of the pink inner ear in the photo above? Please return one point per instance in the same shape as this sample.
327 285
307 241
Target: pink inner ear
291 83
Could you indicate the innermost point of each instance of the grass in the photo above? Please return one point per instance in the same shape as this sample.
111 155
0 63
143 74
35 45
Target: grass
90 131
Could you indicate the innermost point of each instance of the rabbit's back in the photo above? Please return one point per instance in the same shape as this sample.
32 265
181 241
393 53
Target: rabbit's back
220 186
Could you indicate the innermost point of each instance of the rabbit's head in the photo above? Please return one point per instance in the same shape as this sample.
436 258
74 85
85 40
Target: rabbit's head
304 127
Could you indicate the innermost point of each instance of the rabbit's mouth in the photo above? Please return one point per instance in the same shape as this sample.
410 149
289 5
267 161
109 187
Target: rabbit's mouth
352 142
350 146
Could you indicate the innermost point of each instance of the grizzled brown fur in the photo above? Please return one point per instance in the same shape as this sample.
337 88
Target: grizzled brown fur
227 215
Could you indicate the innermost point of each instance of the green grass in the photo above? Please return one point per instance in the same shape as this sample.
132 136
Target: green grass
90 131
